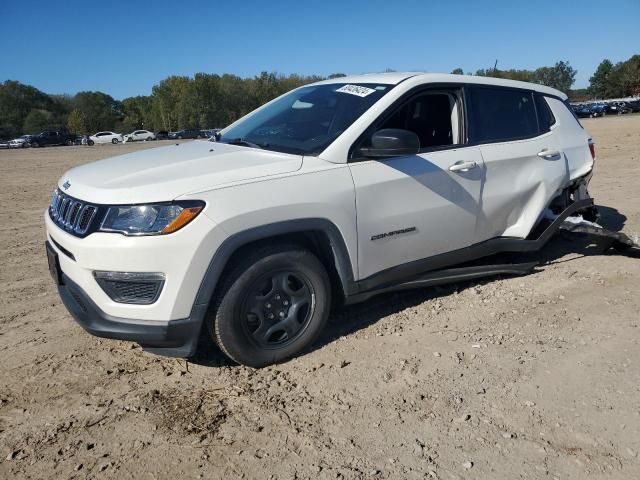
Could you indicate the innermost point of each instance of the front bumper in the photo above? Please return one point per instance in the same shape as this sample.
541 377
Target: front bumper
182 256
176 338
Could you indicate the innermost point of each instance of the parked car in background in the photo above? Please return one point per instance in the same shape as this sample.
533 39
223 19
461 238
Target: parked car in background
599 109
584 111
634 105
48 138
186 133
210 132
107 137
162 135
21 142
4 144
139 135
619 108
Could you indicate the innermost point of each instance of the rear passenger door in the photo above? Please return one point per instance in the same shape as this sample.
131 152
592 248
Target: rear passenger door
523 161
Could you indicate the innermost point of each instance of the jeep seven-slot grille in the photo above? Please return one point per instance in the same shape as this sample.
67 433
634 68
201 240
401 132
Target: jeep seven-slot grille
71 214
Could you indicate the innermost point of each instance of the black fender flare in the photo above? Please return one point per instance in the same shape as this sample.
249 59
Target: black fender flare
230 245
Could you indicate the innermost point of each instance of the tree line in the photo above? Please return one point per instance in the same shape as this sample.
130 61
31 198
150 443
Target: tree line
211 100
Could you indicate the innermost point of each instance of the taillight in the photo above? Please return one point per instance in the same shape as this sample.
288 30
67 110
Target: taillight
592 149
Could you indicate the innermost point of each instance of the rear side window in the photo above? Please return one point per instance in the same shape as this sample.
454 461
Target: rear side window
568 107
500 114
545 115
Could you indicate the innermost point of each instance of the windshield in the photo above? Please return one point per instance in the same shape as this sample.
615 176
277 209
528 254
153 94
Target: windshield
307 120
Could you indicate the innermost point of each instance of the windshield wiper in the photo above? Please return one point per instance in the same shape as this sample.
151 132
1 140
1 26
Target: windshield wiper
244 143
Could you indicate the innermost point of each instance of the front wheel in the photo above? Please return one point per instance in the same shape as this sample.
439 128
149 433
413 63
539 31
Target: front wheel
114 141
271 306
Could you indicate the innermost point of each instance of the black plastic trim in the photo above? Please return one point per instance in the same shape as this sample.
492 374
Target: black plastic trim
451 275
62 249
176 338
114 295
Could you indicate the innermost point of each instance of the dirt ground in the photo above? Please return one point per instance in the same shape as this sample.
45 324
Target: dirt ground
529 377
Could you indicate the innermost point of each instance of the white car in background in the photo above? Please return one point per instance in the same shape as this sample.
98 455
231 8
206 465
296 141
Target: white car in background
107 137
139 135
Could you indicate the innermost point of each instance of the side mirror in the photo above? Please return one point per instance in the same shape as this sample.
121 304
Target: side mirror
392 142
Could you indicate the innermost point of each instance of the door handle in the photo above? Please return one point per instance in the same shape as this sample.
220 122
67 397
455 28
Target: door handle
549 154
462 166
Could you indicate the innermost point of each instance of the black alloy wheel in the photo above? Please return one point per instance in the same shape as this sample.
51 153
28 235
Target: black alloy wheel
271 306
277 308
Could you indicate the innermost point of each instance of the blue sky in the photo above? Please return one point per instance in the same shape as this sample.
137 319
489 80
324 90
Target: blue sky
124 48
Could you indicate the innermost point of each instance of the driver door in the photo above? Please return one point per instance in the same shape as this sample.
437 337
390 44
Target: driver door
410 208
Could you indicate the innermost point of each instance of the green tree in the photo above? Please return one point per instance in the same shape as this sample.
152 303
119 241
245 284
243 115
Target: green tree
457 71
136 113
100 110
77 122
561 76
630 76
599 81
38 120
17 101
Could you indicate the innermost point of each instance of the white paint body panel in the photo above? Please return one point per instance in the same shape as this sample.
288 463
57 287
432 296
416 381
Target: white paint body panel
165 173
415 192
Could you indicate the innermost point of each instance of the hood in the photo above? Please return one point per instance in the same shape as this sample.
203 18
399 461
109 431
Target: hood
165 173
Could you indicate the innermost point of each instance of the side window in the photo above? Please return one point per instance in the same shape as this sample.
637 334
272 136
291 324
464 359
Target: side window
432 116
500 114
545 115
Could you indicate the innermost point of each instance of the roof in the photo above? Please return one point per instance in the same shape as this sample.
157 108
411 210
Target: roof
394 78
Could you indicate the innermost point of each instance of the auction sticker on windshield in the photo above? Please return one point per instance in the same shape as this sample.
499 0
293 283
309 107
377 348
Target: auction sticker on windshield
356 90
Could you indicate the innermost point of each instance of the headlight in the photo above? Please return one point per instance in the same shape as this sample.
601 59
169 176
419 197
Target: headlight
151 219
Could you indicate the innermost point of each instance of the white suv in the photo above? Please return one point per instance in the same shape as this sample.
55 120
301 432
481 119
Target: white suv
329 194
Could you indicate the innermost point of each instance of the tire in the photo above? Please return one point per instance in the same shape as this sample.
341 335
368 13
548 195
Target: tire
149 139
179 137
271 306
90 142
114 141
35 144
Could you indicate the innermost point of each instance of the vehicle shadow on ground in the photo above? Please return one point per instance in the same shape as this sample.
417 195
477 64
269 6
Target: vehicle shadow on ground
348 320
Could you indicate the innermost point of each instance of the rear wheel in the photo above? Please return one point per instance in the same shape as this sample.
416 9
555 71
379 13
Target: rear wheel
272 306
35 144
114 141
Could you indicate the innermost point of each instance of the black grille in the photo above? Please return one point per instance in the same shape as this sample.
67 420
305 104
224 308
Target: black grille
73 215
137 292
